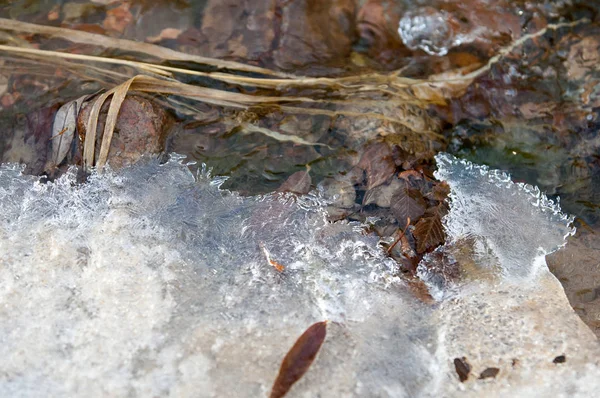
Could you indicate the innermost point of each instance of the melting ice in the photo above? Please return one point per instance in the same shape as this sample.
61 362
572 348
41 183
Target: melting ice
154 281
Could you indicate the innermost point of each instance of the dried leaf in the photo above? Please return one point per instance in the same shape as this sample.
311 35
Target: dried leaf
63 130
429 231
440 191
378 164
118 94
560 359
271 262
299 358
489 372
77 36
445 85
462 368
407 204
383 194
298 183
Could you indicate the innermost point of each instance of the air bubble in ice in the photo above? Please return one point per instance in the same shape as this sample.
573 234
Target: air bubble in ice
426 29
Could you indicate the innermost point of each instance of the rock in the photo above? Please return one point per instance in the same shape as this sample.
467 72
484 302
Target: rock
27 140
282 34
142 128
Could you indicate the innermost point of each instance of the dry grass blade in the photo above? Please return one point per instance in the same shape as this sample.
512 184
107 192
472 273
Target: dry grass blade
149 84
111 120
162 53
90 58
370 82
250 128
89 145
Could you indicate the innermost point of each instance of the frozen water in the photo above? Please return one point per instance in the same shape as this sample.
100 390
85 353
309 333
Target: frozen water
516 222
153 281
428 29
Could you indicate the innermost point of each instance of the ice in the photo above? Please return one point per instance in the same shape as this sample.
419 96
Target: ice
428 29
516 222
153 281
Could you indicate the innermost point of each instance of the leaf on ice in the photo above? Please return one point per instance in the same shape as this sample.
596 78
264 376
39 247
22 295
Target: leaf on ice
299 358
407 203
462 368
429 232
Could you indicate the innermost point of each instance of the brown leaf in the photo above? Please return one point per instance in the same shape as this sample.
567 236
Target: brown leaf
560 359
489 372
440 191
299 358
462 368
382 195
298 183
429 232
378 164
407 203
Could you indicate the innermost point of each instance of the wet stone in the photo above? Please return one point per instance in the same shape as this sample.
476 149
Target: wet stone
142 129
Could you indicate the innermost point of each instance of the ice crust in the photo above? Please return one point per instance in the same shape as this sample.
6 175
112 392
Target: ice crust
428 29
152 281
514 221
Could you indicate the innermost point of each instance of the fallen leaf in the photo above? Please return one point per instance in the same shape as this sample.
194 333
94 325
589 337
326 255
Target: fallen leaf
429 231
407 204
63 130
378 164
298 183
440 191
560 359
299 358
489 372
382 195
462 368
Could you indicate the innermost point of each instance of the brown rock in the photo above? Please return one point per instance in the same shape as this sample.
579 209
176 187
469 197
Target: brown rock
142 128
315 31
28 139
284 34
239 29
